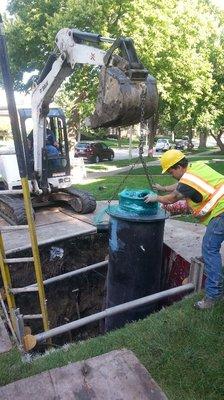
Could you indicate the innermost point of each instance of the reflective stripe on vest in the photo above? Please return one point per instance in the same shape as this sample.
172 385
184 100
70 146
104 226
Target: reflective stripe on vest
209 189
211 203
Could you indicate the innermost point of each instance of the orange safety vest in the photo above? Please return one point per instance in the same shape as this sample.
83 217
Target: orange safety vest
210 184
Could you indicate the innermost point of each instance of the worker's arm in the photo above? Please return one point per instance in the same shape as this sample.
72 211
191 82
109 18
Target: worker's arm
167 199
169 188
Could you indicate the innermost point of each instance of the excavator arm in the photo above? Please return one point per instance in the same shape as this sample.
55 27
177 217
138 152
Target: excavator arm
56 70
127 92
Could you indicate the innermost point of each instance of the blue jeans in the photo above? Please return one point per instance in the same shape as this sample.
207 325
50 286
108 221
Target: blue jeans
212 240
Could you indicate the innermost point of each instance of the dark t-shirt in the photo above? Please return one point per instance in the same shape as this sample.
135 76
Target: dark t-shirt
190 193
50 138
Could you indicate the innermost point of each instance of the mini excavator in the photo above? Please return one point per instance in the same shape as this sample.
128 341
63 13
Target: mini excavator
127 93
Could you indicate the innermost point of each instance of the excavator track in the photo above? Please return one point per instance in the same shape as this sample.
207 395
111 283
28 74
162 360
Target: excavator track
81 202
12 209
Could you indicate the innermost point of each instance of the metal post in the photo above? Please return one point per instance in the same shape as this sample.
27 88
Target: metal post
196 273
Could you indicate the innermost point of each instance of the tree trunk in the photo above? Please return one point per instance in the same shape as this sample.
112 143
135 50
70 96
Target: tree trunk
218 140
130 131
79 134
152 128
203 134
118 132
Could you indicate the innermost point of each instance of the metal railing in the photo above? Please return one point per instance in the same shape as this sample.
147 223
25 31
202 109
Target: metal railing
195 283
40 337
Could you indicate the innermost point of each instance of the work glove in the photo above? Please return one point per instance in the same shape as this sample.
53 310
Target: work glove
151 198
157 186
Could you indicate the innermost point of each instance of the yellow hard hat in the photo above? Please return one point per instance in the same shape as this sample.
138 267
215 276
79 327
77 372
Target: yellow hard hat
170 158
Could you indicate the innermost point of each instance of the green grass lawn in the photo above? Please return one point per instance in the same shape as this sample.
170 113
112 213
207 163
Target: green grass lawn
119 163
203 149
126 162
123 143
152 169
97 167
181 347
104 188
157 170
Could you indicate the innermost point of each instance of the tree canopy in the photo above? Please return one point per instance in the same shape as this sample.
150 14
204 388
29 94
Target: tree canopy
180 42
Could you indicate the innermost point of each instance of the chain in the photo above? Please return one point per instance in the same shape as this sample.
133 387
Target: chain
141 140
122 182
140 149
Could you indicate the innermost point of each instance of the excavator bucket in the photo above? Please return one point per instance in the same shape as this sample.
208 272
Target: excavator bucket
123 101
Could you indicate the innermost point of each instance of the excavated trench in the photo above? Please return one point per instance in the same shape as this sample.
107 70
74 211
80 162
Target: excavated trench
79 296
69 299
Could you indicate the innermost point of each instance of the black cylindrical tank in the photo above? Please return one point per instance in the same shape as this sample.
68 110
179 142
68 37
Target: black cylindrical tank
135 259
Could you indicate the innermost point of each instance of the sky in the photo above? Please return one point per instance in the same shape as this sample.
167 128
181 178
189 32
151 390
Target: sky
219 3
3 5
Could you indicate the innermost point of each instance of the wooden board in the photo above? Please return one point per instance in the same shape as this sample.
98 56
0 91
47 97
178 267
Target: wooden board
51 225
111 376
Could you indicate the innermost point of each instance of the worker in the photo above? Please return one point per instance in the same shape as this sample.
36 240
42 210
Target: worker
52 148
52 145
50 139
203 189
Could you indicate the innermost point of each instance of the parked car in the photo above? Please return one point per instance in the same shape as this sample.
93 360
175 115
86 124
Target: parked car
183 144
180 144
94 151
162 145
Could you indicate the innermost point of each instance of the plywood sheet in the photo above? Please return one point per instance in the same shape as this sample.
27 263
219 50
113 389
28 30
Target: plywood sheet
113 376
51 226
98 218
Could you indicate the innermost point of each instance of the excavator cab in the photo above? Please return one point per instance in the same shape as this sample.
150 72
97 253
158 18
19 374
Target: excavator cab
127 93
56 150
